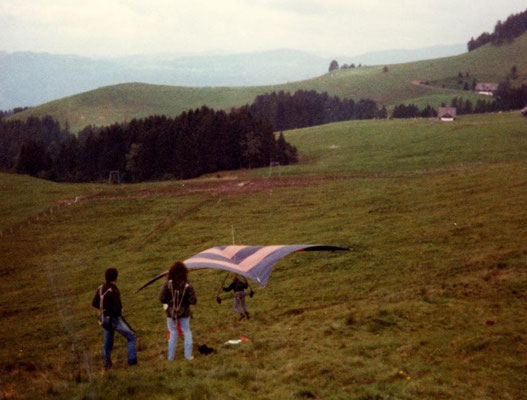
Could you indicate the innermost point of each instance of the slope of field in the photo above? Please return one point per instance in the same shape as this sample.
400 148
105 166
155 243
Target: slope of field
399 146
429 302
126 101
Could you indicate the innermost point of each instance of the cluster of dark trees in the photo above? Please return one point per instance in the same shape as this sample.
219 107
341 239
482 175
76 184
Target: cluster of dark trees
462 107
194 143
412 111
465 106
504 32
24 144
509 97
5 114
308 108
334 65
506 98
198 141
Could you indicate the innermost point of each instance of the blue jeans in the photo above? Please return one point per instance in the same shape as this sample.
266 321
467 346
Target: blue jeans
239 299
120 326
184 323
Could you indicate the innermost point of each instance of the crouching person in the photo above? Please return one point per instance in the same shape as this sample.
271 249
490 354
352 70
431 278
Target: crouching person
239 286
177 295
108 300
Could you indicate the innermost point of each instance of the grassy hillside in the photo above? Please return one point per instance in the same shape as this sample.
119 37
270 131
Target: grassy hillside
428 304
398 146
126 101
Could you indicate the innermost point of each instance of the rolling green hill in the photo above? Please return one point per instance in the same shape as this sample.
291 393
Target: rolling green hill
429 303
126 101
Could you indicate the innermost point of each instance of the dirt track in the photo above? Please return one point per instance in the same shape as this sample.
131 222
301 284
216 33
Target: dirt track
249 185
419 83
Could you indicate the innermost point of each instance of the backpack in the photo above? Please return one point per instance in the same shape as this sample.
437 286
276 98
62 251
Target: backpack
176 310
104 321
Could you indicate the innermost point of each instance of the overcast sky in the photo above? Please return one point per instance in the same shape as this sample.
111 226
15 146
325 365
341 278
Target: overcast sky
329 27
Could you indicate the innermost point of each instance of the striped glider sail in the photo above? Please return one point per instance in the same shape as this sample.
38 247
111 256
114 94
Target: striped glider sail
252 262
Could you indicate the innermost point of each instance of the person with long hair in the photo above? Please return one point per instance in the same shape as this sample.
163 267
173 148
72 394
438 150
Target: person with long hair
177 295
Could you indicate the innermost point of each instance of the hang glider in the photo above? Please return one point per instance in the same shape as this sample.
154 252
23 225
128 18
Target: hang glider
252 262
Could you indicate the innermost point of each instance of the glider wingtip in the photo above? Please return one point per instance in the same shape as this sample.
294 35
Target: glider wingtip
152 281
141 288
339 248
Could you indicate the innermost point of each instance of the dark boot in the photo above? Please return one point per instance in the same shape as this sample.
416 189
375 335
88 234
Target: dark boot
247 314
241 317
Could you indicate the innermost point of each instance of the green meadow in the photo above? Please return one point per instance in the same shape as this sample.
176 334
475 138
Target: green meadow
428 303
123 102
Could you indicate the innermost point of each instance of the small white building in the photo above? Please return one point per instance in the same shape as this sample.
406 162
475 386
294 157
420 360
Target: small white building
447 114
486 88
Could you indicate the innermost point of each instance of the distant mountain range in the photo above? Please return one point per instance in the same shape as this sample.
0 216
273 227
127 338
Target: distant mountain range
28 79
398 84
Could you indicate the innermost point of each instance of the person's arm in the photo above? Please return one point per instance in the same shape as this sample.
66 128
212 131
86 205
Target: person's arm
192 299
164 294
229 288
96 302
117 306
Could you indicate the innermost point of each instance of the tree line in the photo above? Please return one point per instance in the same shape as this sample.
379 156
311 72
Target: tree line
308 108
334 65
7 113
506 98
198 141
194 143
504 32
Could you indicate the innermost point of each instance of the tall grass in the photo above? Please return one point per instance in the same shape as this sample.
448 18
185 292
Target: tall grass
428 303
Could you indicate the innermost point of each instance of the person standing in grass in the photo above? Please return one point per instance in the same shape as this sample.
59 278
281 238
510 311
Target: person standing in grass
177 295
108 300
239 286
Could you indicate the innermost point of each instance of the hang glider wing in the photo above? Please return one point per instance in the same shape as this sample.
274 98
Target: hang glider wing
252 262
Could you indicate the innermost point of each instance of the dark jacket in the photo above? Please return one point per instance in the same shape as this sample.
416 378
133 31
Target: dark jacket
237 286
111 306
178 298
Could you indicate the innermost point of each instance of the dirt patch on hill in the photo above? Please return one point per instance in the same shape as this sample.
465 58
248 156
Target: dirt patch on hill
424 85
236 185
232 186
220 187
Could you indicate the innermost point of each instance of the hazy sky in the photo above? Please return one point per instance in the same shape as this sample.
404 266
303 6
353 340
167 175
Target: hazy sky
331 27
